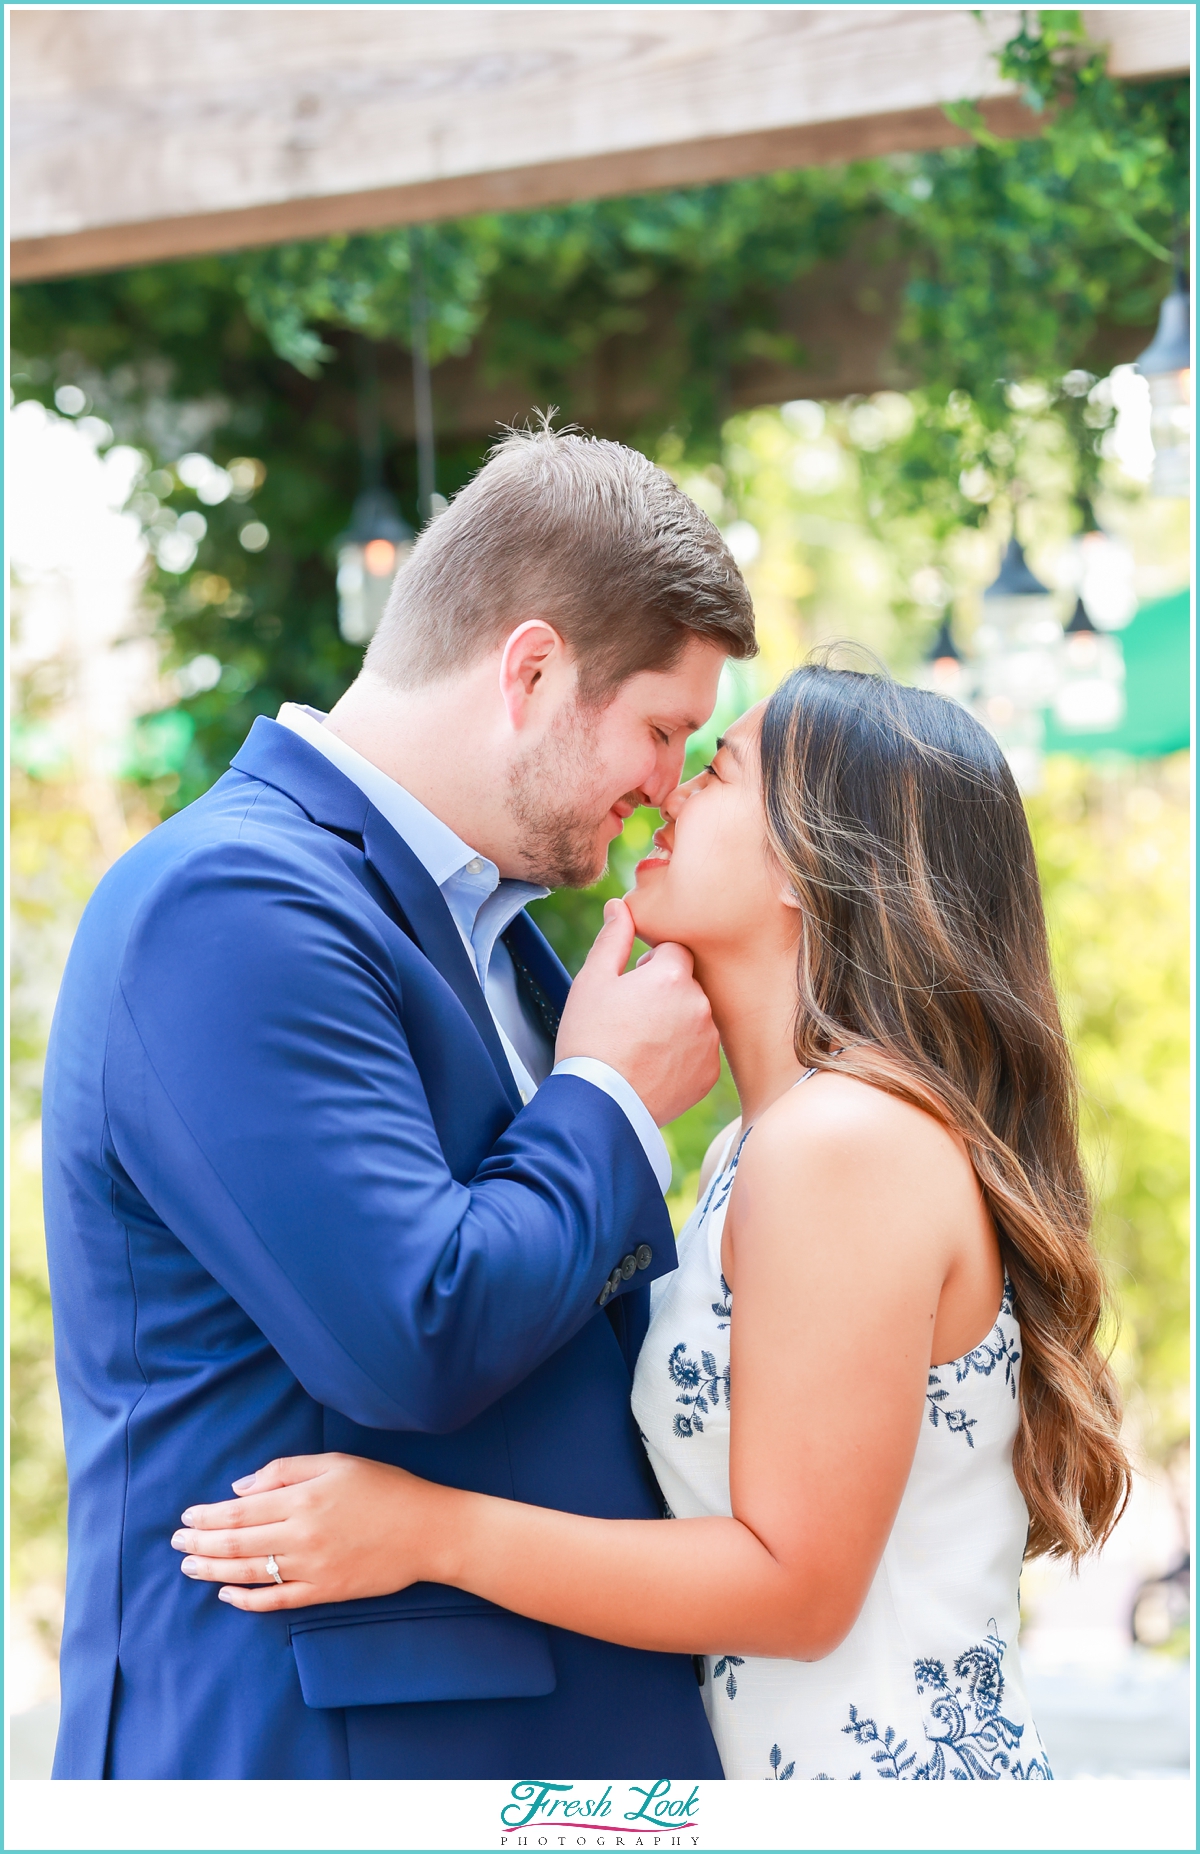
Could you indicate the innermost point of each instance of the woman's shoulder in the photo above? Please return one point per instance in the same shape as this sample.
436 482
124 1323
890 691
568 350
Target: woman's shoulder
839 1157
835 1121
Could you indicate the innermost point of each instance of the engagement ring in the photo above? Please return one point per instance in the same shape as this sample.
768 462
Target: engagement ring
273 1569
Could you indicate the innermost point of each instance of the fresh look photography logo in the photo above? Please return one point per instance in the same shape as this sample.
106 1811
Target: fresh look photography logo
616 1815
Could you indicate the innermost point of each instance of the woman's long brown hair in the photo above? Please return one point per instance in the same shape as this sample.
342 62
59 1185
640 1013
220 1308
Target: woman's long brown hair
924 963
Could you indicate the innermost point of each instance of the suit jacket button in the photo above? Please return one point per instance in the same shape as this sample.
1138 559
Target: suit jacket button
643 1255
628 1268
605 1295
615 1280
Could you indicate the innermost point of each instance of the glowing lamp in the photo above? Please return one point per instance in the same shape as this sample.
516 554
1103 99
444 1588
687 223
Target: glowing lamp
1020 634
1167 367
1091 690
1106 579
369 556
379 558
944 671
1018 642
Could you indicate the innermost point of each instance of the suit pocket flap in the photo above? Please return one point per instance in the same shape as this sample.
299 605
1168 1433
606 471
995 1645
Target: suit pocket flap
485 1654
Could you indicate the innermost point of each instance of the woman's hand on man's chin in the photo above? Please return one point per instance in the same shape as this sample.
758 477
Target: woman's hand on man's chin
337 1527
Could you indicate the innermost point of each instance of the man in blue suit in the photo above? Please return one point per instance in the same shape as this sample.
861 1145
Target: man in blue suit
334 1163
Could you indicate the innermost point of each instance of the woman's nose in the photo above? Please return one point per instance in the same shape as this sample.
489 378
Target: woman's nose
673 803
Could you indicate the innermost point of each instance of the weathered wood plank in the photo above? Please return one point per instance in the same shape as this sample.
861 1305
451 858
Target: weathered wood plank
109 247
150 133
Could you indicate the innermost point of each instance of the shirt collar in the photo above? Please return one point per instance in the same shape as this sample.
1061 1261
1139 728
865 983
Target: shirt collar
439 849
451 862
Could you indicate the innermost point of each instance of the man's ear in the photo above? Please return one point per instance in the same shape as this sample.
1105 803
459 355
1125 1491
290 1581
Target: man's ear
533 654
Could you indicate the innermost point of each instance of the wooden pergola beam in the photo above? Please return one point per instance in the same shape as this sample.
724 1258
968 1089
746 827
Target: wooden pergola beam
148 133
549 183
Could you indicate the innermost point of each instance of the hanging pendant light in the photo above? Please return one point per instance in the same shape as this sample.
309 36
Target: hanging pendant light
368 558
1091 690
1100 570
1018 643
944 671
1021 626
1167 367
371 551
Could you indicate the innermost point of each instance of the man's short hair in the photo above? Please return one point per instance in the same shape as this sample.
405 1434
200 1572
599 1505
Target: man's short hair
579 531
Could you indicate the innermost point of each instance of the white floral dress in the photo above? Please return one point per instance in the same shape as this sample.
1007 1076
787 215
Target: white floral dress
927 1685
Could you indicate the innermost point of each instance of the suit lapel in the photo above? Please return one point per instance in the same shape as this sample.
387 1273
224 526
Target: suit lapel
432 927
280 758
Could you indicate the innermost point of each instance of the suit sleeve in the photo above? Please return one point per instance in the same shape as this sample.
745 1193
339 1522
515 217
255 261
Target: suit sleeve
262 1096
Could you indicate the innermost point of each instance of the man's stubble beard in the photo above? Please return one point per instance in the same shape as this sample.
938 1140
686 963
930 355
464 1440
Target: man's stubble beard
553 797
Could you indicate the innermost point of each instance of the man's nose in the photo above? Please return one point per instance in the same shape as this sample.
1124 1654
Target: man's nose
665 778
672 804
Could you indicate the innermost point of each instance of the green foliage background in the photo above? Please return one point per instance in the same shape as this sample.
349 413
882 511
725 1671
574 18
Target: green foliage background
1113 847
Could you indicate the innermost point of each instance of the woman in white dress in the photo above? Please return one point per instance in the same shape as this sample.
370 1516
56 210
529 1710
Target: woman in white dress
873 1385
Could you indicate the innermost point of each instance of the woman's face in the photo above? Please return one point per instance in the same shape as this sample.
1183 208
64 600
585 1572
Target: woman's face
711 882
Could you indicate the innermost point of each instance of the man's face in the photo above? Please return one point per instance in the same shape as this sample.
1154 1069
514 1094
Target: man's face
570 795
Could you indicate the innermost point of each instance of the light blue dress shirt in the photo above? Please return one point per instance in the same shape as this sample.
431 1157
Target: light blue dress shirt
482 903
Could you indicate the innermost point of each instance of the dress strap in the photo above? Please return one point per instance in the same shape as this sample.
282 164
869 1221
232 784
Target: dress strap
730 1165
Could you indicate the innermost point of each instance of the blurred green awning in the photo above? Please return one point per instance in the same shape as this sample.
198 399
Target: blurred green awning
1158 683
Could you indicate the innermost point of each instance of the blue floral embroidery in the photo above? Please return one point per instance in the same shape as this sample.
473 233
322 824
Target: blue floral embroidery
789 1770
973 1740
998 1348
955 1420
723 1308
726 1665
888 1756
701 1387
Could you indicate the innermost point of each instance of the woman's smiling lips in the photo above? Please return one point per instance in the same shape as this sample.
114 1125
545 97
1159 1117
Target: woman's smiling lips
659 856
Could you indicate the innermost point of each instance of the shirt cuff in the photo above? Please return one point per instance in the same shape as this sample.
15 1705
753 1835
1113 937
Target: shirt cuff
627 1098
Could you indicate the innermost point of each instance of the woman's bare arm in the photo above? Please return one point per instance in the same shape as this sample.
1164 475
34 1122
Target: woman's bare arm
841 1232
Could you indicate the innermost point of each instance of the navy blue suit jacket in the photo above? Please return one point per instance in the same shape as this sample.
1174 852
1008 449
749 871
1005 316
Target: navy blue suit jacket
293 1203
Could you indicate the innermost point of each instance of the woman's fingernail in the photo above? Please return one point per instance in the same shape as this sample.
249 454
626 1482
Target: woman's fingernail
189 1565
224 1596
188 1518
608 908
246 1482
177 1540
